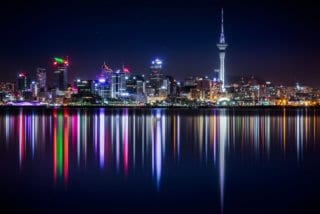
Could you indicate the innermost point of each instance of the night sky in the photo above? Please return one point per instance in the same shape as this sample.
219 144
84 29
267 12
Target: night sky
273 40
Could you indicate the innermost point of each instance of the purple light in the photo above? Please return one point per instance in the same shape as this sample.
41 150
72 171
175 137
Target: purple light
102 80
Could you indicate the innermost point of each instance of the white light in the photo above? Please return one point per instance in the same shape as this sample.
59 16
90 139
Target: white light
158 61
102 80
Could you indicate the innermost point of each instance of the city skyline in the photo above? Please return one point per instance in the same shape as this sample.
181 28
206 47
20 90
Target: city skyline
268 40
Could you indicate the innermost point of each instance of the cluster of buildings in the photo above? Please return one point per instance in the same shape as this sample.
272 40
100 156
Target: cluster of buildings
156 88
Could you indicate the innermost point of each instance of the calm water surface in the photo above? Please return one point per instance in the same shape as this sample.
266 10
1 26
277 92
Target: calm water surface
160 161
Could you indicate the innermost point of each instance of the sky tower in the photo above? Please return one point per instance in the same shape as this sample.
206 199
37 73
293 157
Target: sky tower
222 46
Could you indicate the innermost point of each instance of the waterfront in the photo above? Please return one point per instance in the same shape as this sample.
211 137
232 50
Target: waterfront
160 160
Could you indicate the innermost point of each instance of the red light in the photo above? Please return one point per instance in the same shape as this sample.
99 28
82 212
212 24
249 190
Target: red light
66 63
126 70
22 75
55 63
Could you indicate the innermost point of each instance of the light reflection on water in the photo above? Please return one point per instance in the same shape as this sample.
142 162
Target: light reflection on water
125 139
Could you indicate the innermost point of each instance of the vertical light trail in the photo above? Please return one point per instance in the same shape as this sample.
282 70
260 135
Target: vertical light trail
43 128
256 120
65 147
95 134
33 134
178 136
60 144
268 135
222 149
117 142
174 136
112 128
301 142
234 130
284 130
55 145
214 138
199 126
125 141
158 152
102 138
298 135
154 122
206 136
7 127
163 123
74 131
85 137
78 137
134 140
21 137
143 139
314 126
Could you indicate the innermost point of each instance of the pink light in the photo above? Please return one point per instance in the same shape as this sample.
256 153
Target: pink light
54 146
102 139
21 138
126 70
125 146
66 147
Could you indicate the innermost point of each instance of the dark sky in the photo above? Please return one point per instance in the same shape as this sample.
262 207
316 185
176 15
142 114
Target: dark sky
274 40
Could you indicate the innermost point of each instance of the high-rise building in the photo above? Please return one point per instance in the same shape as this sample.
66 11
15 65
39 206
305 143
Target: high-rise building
156 77
23 82
119 85
84 87
222 46
42 79
61 70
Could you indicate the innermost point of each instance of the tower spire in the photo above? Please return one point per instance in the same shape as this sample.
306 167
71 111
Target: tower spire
222 46
222 39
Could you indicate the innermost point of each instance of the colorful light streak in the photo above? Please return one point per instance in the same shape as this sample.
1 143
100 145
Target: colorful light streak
60 147
102 138
148 135
222 150
125 141
65 146
21 137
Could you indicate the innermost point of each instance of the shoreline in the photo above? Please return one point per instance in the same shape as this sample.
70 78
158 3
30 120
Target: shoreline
154 107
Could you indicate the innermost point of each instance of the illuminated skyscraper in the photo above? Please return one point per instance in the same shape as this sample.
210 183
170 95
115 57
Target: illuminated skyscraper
23 82
42 79
155 79
103 85
119 86
61 69
222 46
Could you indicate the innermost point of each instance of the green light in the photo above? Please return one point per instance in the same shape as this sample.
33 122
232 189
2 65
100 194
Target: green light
58 60
60 144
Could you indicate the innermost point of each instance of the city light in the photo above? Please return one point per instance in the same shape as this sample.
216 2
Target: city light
157 62
22 75
59 60
102 80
